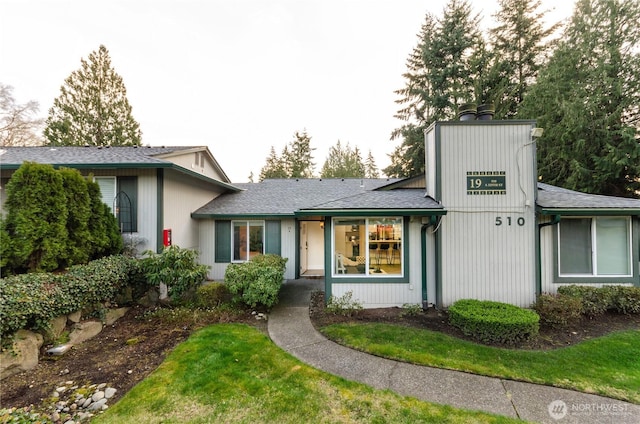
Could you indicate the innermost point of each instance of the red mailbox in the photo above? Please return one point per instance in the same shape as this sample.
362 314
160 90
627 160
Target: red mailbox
166 237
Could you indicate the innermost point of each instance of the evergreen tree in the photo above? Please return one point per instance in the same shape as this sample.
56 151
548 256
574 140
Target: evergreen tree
274 168
587 100
298 157
519 49
296 160
343 162
36 220
370 167
93 108
440 77
78 247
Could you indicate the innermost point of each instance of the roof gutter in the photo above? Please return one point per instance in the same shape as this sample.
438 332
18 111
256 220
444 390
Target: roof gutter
590 211
371 212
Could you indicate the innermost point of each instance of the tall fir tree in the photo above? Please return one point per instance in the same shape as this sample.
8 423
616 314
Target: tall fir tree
274 167
92 108
440 77
587 100
370 167
520 45
299 156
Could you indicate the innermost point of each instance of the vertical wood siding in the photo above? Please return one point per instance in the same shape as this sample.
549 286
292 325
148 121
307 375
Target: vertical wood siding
480 259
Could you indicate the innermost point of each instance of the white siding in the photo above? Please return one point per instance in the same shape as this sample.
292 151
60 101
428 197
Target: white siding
288 246
479 259
182 196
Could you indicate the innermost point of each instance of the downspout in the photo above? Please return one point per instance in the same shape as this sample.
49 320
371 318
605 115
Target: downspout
423 247
554 221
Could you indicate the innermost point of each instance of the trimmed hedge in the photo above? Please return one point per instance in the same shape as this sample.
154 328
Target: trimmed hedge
258 281
494 322
597 300
31 301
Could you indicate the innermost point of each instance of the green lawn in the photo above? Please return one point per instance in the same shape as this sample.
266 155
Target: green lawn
609 366
233 373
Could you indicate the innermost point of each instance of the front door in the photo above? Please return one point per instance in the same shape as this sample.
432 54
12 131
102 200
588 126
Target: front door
311 248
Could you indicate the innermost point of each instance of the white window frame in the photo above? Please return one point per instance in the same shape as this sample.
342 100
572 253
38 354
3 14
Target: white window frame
594 249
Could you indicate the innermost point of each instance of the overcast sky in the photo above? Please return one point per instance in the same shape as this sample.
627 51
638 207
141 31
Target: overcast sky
237 76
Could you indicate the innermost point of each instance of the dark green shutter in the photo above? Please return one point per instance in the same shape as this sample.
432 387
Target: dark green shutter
272 237
223 241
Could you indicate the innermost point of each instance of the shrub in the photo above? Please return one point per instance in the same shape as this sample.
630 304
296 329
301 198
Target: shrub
494 322
78 247
258 281
558 310
212 295
343 305
36 218
626 299
31 301
411 309
175 267
595 301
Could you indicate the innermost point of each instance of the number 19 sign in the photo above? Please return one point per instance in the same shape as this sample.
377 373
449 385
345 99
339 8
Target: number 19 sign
486 182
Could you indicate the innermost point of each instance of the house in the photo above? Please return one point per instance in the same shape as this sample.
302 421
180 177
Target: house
477 224
151 190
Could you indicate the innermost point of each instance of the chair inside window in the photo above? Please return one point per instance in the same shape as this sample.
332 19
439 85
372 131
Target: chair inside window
340 268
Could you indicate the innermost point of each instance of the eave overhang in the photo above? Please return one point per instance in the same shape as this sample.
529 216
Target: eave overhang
589 211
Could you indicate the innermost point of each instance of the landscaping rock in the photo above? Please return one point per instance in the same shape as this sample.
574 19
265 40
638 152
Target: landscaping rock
57 326
115 314
75 317
26 347
84 331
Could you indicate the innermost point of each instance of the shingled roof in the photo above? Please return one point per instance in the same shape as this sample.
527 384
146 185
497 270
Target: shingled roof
290 197
101 157
90 156
561 201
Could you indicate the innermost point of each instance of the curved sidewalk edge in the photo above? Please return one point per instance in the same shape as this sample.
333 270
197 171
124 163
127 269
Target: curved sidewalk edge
291 329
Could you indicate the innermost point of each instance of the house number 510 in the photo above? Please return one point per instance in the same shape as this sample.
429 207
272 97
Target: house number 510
519 221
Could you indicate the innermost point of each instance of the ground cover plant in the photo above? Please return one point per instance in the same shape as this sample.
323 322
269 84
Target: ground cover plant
234 373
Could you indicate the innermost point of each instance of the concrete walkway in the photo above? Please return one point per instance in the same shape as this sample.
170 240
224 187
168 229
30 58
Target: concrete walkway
290 328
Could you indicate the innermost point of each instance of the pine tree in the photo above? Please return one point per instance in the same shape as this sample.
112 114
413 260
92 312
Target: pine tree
299 156
274 168
370 167
519 49
92 108
440 77
587 100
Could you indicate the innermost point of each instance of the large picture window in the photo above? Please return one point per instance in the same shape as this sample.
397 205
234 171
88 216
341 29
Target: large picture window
598 246
248 240
368 247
